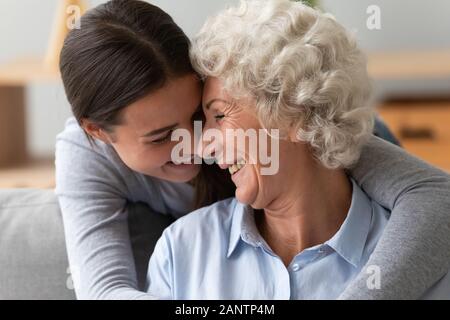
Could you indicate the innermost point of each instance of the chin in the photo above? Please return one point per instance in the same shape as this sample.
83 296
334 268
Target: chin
177 176
186 176
246 196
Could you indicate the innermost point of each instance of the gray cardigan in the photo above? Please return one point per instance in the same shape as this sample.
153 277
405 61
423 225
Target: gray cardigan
93 186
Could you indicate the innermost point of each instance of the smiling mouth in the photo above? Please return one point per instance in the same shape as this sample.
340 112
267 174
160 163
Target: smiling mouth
236 167
178 165
186 161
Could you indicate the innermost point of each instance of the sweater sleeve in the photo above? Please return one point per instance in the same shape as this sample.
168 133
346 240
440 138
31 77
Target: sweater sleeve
413 252
92 198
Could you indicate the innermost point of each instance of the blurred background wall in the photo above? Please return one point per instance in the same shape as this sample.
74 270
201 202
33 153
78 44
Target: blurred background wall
25 26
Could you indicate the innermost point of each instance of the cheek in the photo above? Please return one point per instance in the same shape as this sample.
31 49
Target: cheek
248 187
230 145
244 143
143 158
258 190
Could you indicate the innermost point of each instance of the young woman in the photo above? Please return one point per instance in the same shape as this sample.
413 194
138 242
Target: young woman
128 78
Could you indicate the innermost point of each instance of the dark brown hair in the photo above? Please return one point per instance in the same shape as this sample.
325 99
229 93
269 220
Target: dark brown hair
212 184
124 50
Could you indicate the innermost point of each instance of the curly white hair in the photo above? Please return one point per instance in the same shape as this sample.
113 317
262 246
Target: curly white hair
302 68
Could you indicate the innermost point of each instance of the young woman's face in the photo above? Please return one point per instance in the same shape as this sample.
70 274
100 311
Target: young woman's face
143 140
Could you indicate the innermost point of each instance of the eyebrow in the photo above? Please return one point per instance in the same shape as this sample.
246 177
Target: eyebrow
208 105
161 130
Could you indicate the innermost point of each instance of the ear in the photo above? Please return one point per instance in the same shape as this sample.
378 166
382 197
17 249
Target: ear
95 131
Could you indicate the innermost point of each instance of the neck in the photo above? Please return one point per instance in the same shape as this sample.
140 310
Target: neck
310 213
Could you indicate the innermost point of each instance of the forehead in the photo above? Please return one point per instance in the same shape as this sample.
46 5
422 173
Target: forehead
213 89
166 106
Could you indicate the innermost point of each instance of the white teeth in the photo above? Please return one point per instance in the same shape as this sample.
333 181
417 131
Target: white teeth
236 167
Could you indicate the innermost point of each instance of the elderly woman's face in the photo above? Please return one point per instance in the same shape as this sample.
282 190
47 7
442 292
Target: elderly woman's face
251 186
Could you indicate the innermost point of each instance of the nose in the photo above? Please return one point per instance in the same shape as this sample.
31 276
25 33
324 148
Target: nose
184 144
195 131
205 148
210 144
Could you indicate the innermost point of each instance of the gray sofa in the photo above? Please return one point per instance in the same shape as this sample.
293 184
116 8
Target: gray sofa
33 258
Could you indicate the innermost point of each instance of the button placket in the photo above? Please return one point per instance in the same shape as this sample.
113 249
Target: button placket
295 267
322 252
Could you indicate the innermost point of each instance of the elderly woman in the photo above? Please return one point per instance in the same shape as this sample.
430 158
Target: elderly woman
308 230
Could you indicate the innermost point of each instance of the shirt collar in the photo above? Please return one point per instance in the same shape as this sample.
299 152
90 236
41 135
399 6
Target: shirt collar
350 240
242 227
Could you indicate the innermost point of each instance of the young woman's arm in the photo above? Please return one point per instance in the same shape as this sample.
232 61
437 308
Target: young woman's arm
413 252
92 197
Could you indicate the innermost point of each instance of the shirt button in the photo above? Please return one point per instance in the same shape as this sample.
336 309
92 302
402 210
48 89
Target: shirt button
295 267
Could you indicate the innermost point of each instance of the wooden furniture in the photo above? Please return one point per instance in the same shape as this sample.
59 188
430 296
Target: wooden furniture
17 170
421 125
66 13
14 79
15 76
34 175
434 64
423 128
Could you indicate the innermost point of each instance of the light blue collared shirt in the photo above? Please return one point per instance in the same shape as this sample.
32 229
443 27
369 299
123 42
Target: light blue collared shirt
217 253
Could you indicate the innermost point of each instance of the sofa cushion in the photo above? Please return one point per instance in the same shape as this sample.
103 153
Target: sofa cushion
33 258
33 255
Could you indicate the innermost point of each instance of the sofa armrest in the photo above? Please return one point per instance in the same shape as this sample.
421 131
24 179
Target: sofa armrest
33 258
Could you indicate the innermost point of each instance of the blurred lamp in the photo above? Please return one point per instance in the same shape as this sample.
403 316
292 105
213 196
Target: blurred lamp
66 17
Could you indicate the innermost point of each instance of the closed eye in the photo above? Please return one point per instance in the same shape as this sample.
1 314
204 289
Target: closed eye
163 139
